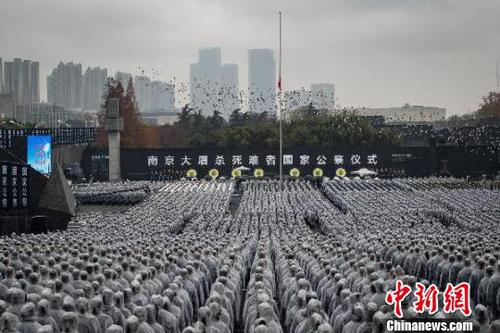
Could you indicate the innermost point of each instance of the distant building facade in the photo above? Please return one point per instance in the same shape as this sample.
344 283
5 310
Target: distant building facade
162 97
8 105
213 85
94 87
49 115
142 88
406 113
230 89
65 85
12 79
123 78
204 78
22 78
154 96
160 118
35 82
39 114
1 76
261 81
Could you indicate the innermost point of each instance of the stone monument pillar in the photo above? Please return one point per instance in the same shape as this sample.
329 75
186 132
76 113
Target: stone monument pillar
114 126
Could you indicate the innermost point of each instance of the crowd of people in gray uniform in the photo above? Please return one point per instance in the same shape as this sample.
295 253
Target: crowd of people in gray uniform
124 193
289 259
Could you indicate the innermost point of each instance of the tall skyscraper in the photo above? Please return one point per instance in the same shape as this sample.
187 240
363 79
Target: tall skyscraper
323 95
94 87
142 86
205 78
210 61
1 76
35 82
213 86
16 80
21 77
195 87
26 82
123 78
8 77
261 81
162 97
64 85
229 89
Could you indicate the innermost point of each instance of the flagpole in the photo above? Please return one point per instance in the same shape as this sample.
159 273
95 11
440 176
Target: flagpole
279 106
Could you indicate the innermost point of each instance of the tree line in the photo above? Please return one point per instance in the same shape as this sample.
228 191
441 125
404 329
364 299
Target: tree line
305 127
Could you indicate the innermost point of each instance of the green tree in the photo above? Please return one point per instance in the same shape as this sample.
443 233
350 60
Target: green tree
307 127
135 134
490 106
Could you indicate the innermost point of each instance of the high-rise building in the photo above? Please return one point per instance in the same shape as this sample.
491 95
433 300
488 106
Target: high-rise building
142 87
323 95
213 85
26 82
15 84
195 87
21 77
1 76
8 76
123 78
94 87
261 81
210 62
162 97
229 89
64 85
205 79
35 82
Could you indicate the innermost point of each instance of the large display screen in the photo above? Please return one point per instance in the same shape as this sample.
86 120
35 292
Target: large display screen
40 153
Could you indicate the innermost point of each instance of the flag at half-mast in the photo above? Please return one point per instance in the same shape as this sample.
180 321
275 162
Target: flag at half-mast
279 66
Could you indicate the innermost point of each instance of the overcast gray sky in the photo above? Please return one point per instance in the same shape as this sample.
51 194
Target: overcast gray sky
377 52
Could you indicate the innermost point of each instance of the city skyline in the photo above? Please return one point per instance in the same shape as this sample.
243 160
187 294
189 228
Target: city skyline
158 96
377 54
70 86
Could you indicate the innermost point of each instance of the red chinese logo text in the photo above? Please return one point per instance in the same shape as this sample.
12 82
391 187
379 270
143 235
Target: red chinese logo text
397 297
455 298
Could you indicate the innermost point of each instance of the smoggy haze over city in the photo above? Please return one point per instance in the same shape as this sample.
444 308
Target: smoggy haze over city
378 53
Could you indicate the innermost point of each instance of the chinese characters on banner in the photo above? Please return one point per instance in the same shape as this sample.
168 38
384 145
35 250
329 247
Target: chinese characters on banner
269 160
59 135
455 298
14 185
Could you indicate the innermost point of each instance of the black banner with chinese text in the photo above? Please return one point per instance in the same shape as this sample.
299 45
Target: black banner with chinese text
14 185
399 161
60 136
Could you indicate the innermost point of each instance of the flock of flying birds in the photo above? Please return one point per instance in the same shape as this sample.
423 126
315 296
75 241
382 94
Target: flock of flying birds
219 95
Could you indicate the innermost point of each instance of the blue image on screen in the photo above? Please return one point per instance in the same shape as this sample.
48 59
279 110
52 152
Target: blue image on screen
40 153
